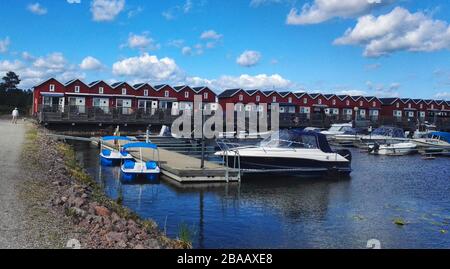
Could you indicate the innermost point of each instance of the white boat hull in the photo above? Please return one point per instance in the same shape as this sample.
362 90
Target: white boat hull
395 149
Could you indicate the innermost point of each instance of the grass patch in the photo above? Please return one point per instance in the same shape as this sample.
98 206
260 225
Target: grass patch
185 235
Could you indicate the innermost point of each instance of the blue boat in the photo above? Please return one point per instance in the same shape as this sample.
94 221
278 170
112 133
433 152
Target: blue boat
133 169
111 157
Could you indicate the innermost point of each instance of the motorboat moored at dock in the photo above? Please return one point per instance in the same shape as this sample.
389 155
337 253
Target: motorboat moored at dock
110 156
290 152
382 135
337 129
433 140
398 149
132 169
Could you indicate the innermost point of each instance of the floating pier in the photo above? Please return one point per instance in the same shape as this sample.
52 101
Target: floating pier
184 168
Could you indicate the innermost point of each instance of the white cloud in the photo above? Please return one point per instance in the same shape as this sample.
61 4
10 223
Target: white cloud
134 12
323 10
27 56
90 63
398 30
147 67
106 10
258 3
37 9
351 92
186 50
173 12
249 58
442 95
142 42
261 81
74 1
380 90
41 68
178 43
4 45
210 35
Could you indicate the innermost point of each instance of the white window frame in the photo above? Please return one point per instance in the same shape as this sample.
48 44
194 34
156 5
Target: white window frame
52 87
333 102
186 94
290 100
421 106
397 105
274 99
77 89
432 106
361 103
319 101
100 90
258 98
347 102
374 104
305 100
241 97
166 93
124 91
145 92
205 95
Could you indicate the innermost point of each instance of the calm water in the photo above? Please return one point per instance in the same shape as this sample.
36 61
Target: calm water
300 213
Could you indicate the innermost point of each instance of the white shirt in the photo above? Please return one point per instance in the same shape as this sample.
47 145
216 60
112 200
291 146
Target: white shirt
15 113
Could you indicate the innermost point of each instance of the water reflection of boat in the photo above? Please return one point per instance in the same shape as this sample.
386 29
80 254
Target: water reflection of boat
292 152
398 149
133 169
110 156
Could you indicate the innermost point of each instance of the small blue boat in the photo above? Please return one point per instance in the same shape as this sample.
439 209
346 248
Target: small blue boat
133 169
111 157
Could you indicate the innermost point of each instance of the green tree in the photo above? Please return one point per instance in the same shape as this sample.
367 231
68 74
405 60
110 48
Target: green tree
10 81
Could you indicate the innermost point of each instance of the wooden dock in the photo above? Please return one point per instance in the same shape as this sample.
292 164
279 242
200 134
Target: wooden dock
185 169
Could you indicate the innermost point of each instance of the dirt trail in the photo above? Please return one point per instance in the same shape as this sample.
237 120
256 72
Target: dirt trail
12 210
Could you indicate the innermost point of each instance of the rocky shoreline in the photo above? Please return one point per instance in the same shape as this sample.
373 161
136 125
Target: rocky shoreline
59 185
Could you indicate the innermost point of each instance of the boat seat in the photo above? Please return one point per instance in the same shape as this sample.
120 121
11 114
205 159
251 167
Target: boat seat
151 165
106 152
124 153
129 164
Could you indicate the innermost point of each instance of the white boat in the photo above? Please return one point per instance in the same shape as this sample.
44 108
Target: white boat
132 169
289 152
384 135
337 129
349 137
110 156
433 140
398 149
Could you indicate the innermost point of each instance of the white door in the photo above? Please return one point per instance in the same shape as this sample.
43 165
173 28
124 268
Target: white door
61 103
125 104
174 108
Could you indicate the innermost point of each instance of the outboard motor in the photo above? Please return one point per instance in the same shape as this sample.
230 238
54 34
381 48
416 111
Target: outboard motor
345 153
375 148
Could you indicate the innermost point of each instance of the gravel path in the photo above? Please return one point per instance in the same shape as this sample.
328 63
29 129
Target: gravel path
12 210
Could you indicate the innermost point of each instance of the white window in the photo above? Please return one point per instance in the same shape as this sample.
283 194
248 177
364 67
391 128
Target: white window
443 107
421 106
397 105
409 105
291 109
422 114
145 92
100 90
241 97
305 101
432 106
373 113
186 94
333 102
319 101
361 103
397 113
348 111
52 87
166 93
124 91
290 100
347 102
258 98
77 89
304 110
205 95
411 114
274 99
374 104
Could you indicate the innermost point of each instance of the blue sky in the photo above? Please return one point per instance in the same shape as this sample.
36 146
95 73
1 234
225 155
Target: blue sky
383 47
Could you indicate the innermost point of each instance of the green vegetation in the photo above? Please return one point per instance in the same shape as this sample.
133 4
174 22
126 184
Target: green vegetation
11 96
400 222
185 235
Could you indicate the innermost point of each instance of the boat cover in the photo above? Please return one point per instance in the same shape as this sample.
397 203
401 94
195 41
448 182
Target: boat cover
151 165
128 164
442 135
109 138
140 145
389 131
106 152
314 139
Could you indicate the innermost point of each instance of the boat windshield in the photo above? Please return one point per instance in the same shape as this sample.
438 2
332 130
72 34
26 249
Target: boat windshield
339 128
295 139
389 131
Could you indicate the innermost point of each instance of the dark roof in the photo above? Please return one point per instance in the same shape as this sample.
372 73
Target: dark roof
388 101
356 97
71 81
328 96
117 84
370 98
342 96
197 89
299 94
136 86
228 93
160 86
250 92
284 93
94 82
417 100
179 88
268 92
314 95
404 100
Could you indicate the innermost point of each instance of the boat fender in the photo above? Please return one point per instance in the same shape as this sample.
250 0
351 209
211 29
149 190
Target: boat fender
345 153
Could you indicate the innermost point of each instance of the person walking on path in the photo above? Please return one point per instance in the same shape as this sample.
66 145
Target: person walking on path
15 115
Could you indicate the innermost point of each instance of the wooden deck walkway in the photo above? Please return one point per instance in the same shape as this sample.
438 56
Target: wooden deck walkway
185 169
